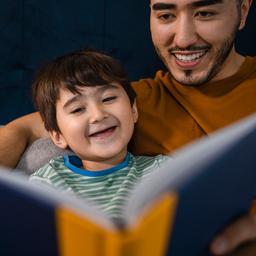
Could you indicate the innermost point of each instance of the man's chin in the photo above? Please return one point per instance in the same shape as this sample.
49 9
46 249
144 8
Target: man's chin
191 81
190 77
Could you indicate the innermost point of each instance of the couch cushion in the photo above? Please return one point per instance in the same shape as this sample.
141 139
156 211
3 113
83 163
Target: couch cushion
38 154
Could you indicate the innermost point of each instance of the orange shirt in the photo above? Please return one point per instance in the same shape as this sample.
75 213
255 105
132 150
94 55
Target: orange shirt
171 114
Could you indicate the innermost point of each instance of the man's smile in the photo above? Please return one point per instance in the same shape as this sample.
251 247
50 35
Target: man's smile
188 59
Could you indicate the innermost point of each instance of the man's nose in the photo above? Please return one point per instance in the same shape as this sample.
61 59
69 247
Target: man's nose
185 32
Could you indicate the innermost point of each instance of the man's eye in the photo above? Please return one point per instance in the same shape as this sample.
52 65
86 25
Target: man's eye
109 99
77 110
166 17
205 14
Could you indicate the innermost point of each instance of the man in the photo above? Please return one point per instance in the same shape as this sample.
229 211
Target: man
208 86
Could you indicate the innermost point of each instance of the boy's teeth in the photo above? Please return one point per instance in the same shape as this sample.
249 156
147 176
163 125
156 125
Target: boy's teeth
189 57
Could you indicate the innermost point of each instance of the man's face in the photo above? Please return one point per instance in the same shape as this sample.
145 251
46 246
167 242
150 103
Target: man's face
195 38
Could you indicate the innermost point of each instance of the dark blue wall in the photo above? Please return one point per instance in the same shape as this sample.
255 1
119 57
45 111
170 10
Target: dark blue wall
34 31
246 39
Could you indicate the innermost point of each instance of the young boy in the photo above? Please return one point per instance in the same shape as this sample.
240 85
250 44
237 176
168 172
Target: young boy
88 105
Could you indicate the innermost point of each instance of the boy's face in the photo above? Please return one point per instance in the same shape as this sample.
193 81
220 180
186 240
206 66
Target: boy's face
96 124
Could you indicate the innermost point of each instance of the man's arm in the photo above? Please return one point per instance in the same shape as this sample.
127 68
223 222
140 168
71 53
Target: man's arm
17 135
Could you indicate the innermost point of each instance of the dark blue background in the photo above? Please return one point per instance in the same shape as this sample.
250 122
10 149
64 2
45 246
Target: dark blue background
34 31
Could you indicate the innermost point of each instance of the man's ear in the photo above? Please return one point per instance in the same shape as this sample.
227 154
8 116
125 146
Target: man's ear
58 139
245 7
135 112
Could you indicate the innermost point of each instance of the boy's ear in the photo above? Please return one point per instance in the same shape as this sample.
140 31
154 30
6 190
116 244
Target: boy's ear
58 139
135 112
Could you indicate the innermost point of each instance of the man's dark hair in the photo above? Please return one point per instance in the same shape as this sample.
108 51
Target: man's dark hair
71 72
238 5
239 2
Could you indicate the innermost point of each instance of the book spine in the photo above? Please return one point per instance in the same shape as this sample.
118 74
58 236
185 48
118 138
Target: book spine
149 236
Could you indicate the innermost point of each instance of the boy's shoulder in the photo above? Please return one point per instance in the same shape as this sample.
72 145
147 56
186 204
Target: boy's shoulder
145 161
52 167
159 157
145 165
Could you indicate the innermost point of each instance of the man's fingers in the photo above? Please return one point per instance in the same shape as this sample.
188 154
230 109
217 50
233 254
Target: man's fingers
241 231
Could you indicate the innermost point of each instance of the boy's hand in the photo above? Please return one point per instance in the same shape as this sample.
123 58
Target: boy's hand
241 231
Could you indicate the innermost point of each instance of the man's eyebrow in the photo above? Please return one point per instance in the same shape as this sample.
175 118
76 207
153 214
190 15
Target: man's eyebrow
163 6
170 6
100 89
203 3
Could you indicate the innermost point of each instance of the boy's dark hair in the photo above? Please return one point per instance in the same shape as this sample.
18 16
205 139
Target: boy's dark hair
71 71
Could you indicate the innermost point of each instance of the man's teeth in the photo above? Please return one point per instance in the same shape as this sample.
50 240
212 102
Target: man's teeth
189 57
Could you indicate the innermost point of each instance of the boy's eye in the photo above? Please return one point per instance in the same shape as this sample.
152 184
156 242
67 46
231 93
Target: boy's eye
109 99
77 110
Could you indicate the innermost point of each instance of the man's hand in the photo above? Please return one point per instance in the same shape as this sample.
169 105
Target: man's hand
241 231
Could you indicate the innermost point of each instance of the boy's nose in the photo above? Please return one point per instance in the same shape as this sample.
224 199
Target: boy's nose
97 113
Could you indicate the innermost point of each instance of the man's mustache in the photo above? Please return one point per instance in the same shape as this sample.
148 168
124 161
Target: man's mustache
190 48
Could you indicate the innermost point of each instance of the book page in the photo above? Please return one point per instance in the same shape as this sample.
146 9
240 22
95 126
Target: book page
18 183
186 164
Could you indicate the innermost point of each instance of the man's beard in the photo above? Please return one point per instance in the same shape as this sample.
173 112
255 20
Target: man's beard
220 57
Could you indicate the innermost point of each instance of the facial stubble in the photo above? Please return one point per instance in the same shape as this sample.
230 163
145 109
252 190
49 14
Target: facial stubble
220 57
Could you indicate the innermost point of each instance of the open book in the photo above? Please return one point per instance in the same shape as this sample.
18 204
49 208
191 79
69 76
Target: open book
176 211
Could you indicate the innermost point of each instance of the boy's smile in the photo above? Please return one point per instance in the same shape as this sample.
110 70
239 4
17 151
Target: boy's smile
96 124
100 132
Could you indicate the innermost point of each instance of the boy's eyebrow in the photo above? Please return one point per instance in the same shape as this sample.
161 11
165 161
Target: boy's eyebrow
72 100
169 6
100 89
105 87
